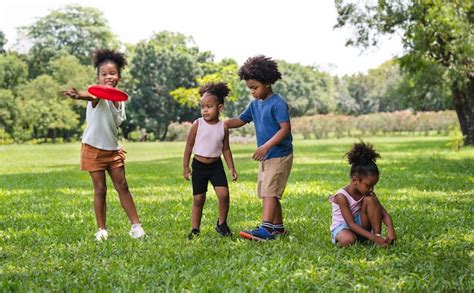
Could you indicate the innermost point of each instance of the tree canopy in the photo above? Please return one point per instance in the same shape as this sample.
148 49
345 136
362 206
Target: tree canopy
74 29
437 35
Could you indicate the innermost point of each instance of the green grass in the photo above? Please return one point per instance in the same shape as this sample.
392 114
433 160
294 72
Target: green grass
47 223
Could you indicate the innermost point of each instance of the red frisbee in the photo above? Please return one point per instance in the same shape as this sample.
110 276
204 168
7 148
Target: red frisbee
108 93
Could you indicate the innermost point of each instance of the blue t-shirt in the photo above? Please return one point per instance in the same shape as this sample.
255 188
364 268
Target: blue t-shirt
266 116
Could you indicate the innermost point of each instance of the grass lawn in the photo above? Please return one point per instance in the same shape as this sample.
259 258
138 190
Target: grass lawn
47 223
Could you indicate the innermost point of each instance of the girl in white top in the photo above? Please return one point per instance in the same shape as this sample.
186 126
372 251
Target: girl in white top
357 214
208 139
100 151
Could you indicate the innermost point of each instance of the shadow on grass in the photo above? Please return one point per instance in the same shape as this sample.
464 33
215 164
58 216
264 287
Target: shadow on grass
422 173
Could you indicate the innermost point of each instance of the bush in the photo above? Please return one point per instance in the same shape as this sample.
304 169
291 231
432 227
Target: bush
401 121
178 131
139 135
5 138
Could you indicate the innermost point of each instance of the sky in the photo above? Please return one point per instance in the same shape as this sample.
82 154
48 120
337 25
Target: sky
297 31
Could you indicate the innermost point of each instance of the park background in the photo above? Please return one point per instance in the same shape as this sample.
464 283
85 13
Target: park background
415 107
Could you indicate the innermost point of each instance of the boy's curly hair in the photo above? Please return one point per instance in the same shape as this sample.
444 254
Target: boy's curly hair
220 90
102 56
362 158
260 68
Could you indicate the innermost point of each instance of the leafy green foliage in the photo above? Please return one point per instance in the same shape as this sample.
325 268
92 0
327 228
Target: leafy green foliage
73 29
13 71
42 111
307 90
3 41
8 111
165 62
438 36
47 223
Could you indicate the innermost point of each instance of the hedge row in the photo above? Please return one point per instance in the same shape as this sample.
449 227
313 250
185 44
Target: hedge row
321 126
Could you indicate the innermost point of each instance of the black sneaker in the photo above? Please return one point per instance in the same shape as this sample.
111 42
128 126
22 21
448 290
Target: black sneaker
194 233
223 229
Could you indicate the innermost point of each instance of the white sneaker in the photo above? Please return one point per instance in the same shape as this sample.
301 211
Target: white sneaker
101 235
136 231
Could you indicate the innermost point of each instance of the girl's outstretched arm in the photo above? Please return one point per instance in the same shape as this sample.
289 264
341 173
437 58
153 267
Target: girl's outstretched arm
234 123
391 235
228 154
79 95
343 203
188 150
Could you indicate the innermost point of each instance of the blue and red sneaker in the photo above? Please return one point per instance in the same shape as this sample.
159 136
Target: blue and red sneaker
280 233
259 234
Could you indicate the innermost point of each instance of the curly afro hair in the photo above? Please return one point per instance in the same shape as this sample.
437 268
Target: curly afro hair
362 158
103 56
260 68
220 90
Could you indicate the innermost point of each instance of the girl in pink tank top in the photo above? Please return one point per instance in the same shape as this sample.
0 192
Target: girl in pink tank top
208 139
357 214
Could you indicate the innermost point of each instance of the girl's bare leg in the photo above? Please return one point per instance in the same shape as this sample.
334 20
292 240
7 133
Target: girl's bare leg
196 214
371 215
224 200
120 183
100 192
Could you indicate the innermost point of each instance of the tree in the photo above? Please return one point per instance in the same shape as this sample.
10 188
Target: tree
67 72
3 42
42 111
436 35
160 65
307 90
225 71
345 103
13 71
73 29
8 111
384 82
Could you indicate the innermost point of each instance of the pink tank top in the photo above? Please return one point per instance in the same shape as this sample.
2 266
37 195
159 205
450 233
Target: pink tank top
354 205
209 139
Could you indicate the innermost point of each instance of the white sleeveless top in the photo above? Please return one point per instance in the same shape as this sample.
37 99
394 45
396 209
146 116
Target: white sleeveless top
102 125
209 139
354 205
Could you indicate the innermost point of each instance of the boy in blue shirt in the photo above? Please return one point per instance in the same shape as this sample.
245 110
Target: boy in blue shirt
270 115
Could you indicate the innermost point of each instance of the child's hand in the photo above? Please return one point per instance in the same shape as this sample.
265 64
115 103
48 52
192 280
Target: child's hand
234 174
391 237
72 92
260 153
187 173
78 95
380 241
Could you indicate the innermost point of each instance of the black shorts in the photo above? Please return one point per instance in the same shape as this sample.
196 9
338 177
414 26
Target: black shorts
203 173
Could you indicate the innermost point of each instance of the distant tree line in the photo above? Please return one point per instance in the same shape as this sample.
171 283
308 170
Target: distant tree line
162 78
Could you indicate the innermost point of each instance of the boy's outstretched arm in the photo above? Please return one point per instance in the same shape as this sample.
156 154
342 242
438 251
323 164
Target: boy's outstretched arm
188 149
228 154
234 123
285 129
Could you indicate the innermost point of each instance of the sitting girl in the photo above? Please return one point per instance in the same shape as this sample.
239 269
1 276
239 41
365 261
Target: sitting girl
357 214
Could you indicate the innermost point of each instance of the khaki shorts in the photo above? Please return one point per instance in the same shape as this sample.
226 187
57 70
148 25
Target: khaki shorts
94 159
273 175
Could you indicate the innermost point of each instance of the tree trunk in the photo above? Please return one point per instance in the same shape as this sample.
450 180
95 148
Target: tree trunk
463 98
164 134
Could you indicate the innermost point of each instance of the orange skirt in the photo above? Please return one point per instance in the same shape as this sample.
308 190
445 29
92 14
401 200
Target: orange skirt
94 159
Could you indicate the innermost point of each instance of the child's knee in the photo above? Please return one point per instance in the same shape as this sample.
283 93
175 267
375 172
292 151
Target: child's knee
199 200
122 187
100 191
370 201
346 238
224 198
